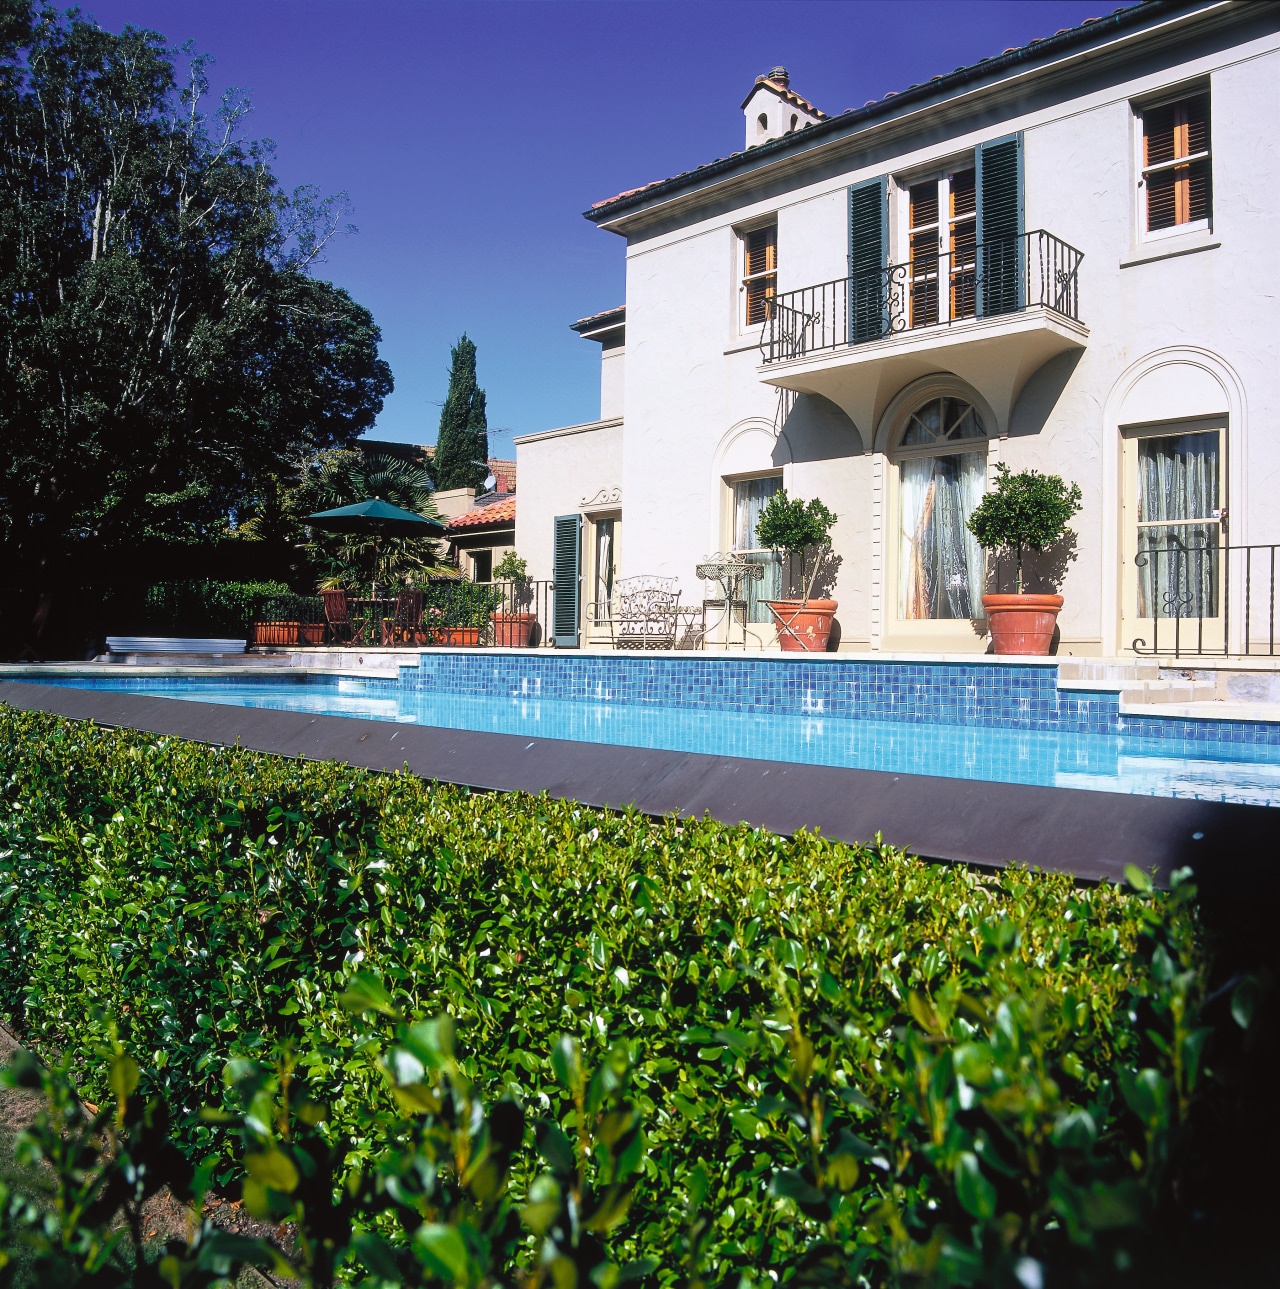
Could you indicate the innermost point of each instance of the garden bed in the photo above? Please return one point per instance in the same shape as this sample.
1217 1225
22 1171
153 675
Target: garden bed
999 1067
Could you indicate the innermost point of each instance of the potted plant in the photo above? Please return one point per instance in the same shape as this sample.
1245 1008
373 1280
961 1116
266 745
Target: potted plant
1026 509
464 609
513 630
801 529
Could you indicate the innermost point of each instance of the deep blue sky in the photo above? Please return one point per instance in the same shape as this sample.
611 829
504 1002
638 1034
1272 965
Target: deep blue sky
470 138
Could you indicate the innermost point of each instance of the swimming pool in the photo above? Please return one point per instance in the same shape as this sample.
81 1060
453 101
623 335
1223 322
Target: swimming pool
1003 723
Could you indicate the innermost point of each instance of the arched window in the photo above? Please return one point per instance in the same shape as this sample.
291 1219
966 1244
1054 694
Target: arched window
942 475
762 123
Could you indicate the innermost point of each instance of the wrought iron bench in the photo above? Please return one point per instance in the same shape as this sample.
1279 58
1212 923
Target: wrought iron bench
642 613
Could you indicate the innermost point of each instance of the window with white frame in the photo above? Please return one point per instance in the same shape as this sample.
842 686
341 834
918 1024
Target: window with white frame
941 234
942 476
1175 189
759 272
750 496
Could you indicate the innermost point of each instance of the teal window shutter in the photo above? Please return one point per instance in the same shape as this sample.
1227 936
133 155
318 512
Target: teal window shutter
566 569
868 259
1001 257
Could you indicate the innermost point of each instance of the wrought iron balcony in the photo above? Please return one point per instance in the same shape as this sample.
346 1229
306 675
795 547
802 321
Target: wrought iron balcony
1033 270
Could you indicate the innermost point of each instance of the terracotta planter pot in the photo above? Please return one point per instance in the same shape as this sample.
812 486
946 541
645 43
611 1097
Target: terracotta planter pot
273 633
311 633
512 630
803 625
1022 623
465 637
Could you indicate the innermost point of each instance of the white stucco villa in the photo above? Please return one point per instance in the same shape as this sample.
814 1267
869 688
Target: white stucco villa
1064 257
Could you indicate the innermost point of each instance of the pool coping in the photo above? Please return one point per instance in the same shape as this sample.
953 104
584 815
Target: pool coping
1089 834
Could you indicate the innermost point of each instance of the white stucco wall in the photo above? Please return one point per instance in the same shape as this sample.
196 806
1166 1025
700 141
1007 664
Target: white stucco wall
1185 327
613 366
562 472
697 409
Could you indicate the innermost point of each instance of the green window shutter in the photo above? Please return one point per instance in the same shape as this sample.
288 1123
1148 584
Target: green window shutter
868 257
567 549
1001 276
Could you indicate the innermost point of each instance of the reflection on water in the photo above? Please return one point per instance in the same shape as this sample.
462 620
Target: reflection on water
1108 763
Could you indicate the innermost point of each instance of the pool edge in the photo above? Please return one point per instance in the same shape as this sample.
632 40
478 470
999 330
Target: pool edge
1089 834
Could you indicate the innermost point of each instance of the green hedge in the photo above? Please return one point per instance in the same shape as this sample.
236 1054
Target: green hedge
845 1058
192 608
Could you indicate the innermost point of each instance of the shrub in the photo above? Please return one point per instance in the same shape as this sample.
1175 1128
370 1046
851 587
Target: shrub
960 1031
796 527
511 568
1024 509
203 608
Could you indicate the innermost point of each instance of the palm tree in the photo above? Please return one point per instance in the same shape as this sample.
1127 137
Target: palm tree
342 478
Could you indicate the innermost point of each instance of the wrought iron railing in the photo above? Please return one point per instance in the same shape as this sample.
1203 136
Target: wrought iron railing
1207 599
1031 271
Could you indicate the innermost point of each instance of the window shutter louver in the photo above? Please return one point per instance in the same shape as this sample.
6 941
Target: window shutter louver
565 575
1002 288
762 275
1176 194
868 256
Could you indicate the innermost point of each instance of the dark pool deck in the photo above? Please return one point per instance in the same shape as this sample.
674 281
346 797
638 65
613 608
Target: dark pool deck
1092 835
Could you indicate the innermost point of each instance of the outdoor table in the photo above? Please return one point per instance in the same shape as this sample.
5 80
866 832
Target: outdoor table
730 571
377 612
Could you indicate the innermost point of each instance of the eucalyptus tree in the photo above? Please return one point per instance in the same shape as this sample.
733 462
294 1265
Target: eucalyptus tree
163 343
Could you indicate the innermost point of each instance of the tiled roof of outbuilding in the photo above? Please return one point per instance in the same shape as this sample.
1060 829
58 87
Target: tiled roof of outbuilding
786 92
497 515
1060 40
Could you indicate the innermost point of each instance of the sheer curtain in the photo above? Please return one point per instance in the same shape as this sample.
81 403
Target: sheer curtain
941 571
749 498
604 570
1178 481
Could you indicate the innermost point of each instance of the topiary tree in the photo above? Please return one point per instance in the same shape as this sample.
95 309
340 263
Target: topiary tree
464 434
1024 509
796 527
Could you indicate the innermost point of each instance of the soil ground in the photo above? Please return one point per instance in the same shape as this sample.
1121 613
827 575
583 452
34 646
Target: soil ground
164 1218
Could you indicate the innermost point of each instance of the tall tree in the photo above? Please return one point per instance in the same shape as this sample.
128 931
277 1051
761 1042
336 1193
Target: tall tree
163 345
464 433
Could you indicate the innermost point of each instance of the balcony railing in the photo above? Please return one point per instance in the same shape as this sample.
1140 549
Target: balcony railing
1205 599
1033 270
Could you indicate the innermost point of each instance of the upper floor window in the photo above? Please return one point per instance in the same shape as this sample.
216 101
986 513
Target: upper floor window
942 234
1176 166
760 271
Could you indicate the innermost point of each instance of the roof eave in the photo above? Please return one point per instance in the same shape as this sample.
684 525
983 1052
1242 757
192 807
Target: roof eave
835 129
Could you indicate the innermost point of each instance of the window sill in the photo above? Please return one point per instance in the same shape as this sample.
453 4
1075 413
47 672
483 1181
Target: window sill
1167 249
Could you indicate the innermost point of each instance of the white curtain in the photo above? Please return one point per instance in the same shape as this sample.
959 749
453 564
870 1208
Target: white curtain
1178 561
749 498
604 569
941 571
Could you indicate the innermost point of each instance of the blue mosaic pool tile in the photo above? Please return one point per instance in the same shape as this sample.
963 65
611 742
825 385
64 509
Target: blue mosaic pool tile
994 696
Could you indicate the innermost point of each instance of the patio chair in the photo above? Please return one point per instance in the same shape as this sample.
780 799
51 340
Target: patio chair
643 612
404 626
343 629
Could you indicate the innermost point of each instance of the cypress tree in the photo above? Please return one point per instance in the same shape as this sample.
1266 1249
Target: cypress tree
464 434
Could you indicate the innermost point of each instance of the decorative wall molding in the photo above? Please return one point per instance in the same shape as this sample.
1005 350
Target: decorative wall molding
605 497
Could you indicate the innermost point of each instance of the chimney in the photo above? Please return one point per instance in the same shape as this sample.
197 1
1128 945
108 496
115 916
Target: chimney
773 109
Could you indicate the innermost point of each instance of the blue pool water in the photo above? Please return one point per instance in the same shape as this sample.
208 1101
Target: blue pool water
1169 764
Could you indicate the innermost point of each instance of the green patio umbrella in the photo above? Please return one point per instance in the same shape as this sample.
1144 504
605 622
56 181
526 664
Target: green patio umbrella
378 518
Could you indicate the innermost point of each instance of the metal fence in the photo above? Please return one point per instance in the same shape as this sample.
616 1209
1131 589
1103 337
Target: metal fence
1033 270
1207 599
439 611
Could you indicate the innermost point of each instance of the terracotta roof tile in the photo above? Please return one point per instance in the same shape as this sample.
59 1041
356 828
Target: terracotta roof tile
1130 13
784 91
500 512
